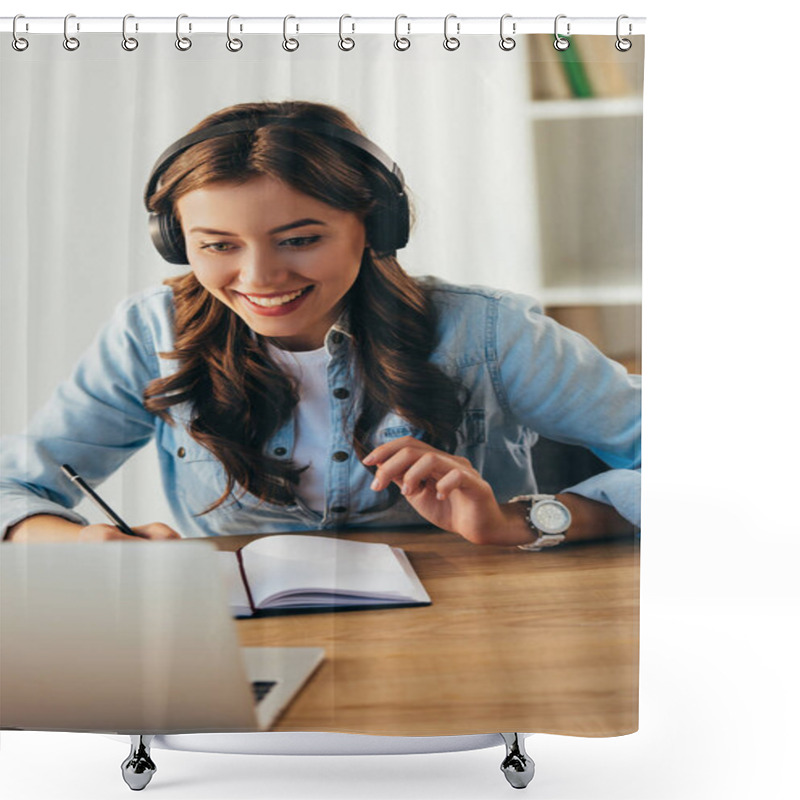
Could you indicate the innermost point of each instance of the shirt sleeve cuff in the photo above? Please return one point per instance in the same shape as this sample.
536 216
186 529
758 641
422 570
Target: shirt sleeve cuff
16 510
620 488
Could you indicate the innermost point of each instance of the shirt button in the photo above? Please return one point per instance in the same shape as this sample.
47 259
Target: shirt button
340 455
339 509
341 394
279 451
181 452
337 337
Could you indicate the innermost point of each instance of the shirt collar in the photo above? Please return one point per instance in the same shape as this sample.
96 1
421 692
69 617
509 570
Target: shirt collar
341 327
338 332
342 324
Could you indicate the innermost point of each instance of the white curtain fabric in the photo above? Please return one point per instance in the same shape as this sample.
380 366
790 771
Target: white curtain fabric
81 131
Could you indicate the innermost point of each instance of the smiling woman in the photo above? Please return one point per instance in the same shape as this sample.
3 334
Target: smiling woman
284 262
297 377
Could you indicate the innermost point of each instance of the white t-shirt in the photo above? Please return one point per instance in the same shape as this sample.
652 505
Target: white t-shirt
312 430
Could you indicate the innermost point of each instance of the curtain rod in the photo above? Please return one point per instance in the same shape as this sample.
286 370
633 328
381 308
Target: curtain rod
406 26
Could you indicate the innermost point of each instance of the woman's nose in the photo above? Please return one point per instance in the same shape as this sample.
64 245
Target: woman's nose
261 267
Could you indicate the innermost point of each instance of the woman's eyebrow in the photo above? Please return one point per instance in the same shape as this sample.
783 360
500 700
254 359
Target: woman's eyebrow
296 224
211 230
288 226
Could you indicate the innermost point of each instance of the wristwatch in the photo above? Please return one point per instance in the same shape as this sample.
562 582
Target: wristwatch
549 520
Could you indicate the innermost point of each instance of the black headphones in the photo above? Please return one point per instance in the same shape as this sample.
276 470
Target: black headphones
387 226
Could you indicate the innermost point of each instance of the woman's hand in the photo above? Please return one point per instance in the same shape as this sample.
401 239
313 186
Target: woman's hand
107 533
451 494
50 528
445 489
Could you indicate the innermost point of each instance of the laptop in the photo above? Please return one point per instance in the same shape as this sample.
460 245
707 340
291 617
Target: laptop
132 637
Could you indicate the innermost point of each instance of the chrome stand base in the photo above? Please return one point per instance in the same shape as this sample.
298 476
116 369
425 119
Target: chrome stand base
138 768
517 766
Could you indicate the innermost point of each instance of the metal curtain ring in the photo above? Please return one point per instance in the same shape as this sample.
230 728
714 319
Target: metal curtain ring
623 45
345 42
401 42
234 45
451 42
506 42
290 45
18 43
182 42
128 42
70 42
560 43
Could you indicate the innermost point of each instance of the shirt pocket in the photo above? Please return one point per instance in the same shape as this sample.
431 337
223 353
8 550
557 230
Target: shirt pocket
177 442
472 437
200 480
199 477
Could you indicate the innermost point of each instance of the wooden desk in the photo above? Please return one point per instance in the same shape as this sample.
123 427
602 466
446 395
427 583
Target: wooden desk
513 641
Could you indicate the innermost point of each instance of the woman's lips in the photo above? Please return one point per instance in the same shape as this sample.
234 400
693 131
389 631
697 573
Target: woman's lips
274 307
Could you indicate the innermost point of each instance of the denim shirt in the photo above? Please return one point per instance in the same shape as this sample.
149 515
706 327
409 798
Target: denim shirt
526 376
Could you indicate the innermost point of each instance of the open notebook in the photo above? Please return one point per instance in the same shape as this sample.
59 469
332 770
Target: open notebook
297 573
132 637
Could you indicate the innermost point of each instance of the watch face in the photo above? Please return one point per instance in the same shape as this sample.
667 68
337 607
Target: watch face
550 516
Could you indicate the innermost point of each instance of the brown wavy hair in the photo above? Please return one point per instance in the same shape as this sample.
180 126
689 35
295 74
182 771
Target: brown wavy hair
239 397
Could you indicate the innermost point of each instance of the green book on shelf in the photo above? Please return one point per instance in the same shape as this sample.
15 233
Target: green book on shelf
575 71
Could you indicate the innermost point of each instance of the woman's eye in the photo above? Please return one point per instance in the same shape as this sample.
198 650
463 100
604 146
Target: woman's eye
217 247
300 241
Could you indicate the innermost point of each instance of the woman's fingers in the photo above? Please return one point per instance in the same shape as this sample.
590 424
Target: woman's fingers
385 451
103 532
415 466
411 468
423 472
155 531
443 488
453 480
395 466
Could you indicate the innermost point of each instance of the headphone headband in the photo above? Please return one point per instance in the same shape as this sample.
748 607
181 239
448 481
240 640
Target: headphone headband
388 227
266 120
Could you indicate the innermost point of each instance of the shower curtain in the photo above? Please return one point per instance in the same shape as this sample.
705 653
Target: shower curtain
522 163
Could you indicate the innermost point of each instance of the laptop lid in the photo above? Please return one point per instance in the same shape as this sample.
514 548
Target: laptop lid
119 637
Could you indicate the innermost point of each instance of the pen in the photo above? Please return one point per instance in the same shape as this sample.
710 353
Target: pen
96 499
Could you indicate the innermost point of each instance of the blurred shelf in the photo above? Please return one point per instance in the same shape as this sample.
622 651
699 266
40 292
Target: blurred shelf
590 295
585 108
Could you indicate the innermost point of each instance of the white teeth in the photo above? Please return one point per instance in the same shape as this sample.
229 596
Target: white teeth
269 302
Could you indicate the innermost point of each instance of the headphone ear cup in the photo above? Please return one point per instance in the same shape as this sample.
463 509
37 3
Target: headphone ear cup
167 236
403 218
388 226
